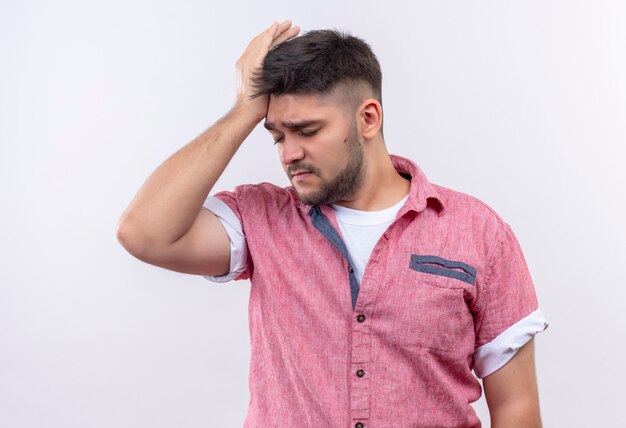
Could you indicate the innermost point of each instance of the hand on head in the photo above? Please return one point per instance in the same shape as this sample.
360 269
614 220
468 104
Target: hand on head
251 61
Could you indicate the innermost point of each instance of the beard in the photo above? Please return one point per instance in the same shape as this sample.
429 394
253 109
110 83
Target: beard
345 183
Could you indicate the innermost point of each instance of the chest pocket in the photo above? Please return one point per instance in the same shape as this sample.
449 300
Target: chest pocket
432 309
439 266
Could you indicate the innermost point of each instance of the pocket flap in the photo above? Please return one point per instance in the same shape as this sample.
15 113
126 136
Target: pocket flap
440 266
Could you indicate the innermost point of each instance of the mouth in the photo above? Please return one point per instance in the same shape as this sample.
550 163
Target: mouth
300 175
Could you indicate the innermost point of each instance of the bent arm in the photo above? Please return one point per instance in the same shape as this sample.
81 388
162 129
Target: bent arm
168 203
511 392
165 224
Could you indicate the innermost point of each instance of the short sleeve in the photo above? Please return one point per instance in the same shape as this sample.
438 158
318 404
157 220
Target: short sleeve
508 315
224 206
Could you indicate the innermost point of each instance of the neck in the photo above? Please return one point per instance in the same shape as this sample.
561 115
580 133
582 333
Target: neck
382 185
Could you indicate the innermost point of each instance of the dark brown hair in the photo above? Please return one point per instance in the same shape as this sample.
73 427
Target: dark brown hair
317 62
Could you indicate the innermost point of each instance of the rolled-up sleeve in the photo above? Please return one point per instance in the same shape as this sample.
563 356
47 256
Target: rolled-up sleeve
508 315
218 205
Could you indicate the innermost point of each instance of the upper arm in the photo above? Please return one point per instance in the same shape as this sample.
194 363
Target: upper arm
511 391
203 250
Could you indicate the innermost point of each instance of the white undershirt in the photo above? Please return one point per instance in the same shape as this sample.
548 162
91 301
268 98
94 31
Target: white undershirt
361 230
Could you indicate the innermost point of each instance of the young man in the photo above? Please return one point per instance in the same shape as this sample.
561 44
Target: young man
374 293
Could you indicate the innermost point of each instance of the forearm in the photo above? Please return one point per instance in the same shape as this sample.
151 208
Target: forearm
511 392
170 200
167 204
520 414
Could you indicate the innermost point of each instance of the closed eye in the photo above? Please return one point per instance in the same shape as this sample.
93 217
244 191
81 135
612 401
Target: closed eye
308 133
305 134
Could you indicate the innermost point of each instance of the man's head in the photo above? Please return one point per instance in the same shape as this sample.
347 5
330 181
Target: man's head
316 62
329 78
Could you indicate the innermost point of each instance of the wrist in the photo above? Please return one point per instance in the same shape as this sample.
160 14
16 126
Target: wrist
254 110
240 117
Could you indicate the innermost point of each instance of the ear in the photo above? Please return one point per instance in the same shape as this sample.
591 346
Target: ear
369 118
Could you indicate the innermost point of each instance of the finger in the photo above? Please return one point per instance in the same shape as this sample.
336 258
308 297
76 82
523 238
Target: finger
283 27
271 31
268 32
292 32
266 37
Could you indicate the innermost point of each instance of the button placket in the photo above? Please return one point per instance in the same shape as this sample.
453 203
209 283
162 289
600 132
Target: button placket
361 352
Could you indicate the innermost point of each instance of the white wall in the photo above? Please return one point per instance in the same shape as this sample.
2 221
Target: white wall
522 104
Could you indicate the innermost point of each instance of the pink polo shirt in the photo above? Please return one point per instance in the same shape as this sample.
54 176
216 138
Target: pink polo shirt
446 296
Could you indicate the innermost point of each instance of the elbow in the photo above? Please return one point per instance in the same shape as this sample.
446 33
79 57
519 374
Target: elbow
140 244
129 238
122 233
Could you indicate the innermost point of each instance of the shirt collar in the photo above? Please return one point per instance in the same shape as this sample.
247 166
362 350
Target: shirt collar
421 192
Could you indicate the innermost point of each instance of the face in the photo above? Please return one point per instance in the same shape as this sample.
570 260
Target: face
319 148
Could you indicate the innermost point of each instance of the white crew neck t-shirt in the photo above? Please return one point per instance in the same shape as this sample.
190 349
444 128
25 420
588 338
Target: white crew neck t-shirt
361 230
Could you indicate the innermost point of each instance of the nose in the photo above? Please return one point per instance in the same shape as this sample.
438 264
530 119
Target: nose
290 150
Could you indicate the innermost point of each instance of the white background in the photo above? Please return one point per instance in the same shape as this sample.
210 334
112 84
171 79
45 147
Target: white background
519 103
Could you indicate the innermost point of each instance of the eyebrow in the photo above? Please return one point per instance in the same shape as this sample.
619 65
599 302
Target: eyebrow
292 125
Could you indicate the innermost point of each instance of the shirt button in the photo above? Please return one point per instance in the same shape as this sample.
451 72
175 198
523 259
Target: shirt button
360 317
350 269
360 373
358 425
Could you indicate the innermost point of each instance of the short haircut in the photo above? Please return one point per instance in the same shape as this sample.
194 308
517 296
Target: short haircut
319 62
